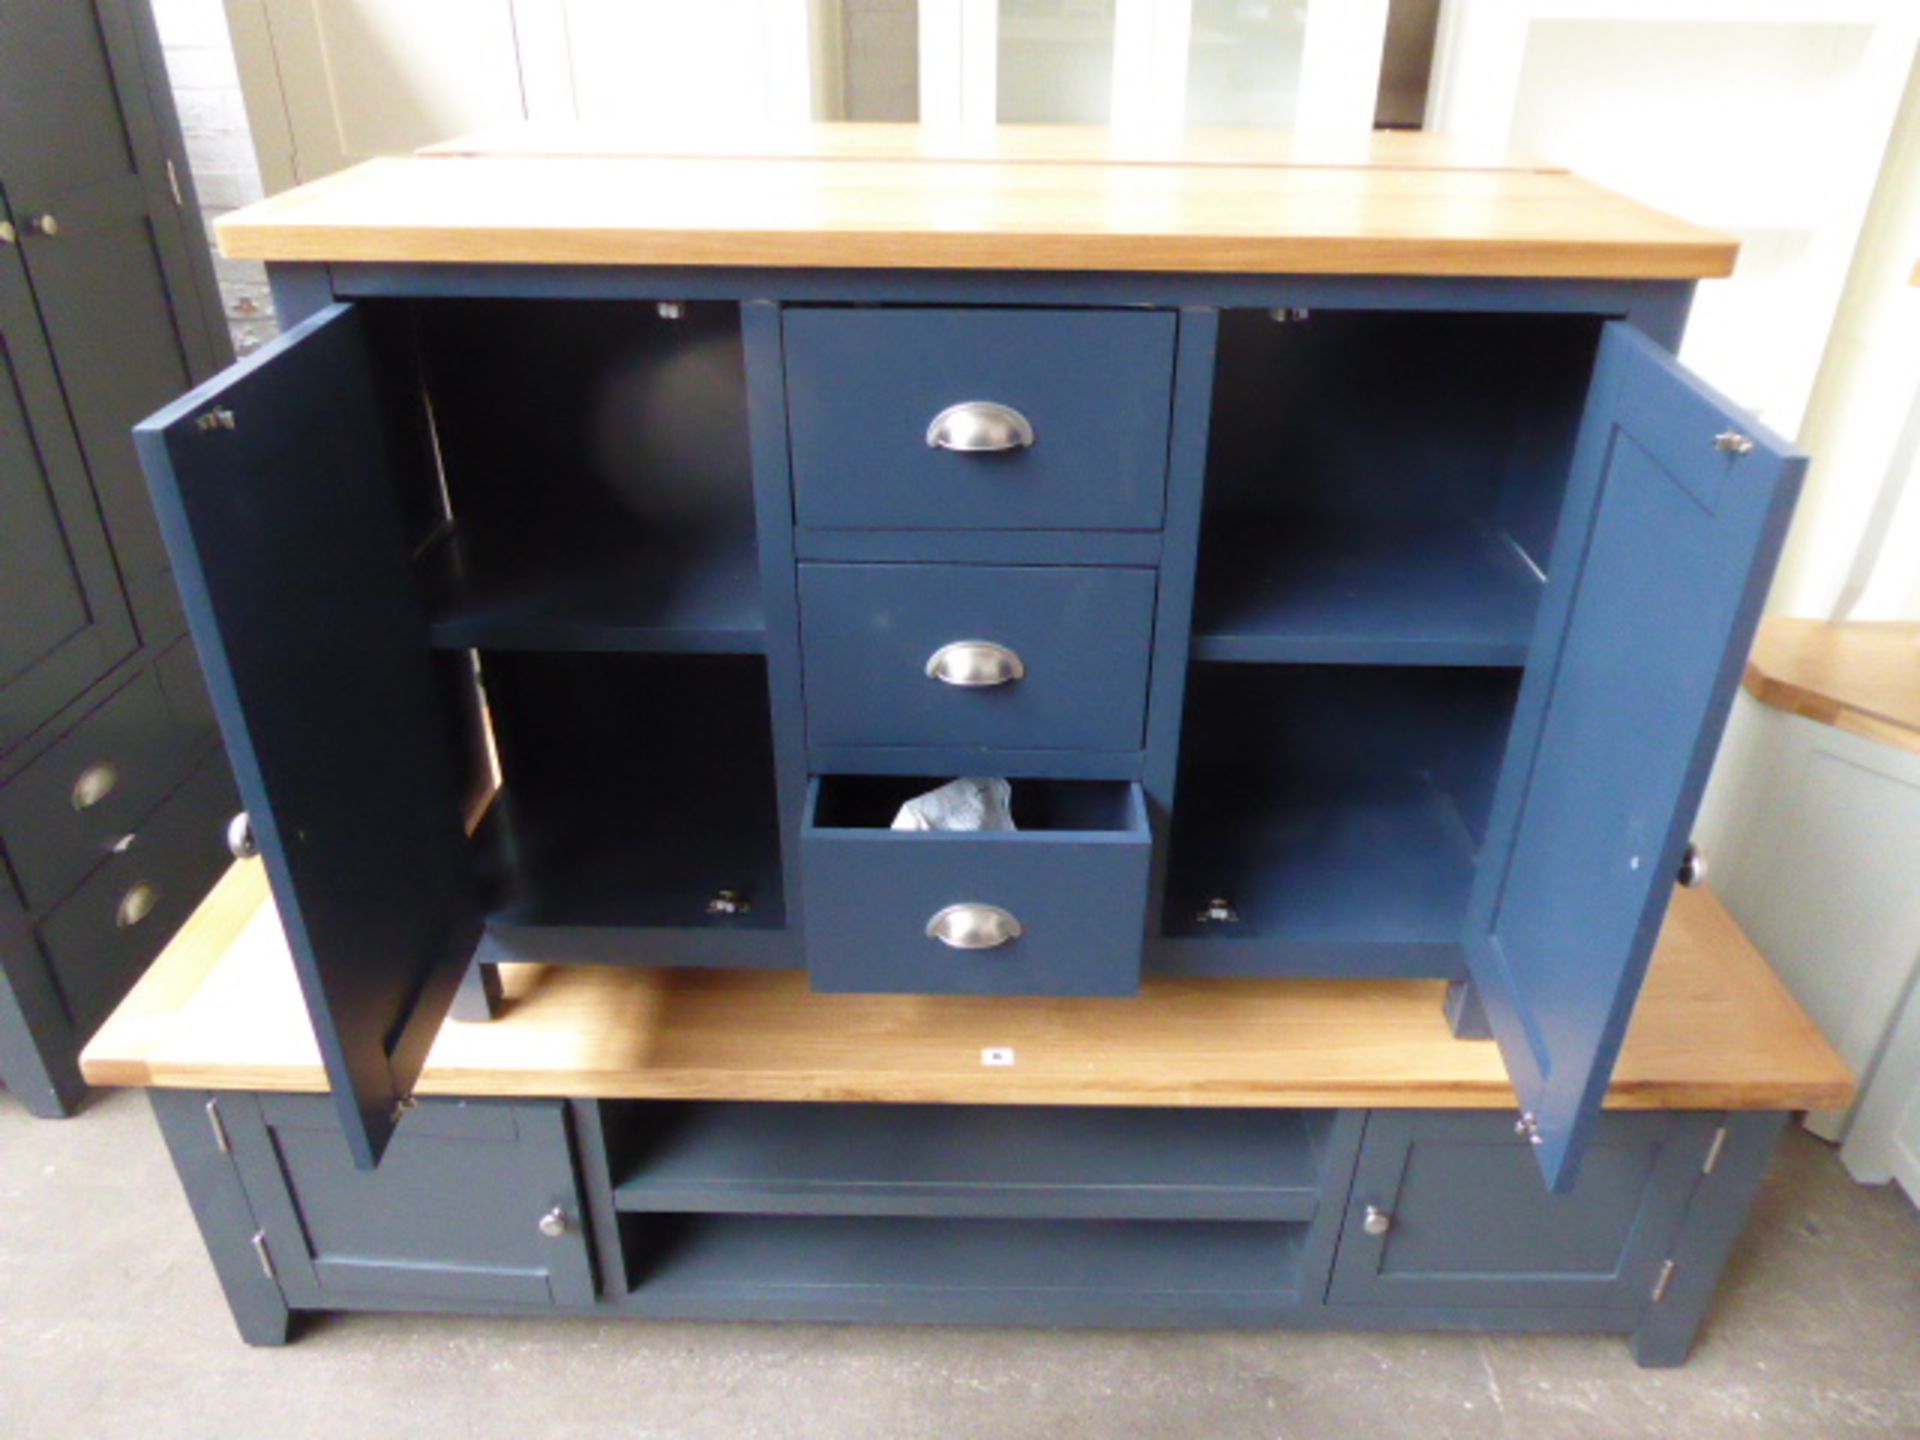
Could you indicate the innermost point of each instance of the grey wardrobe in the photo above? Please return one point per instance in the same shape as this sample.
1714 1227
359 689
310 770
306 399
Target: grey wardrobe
113 789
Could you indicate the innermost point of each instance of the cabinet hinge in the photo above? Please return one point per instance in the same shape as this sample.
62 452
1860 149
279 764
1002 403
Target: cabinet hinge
219 1128
265 1256
173 184
1661 1281
1714 1147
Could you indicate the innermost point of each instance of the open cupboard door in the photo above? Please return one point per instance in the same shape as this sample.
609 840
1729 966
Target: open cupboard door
279 487
1675 512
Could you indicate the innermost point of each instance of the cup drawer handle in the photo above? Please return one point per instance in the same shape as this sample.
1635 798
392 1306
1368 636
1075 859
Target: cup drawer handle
135 905
979 427
975 662
973 927
95 783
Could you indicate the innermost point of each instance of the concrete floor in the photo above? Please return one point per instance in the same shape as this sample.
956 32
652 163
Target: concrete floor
111 1325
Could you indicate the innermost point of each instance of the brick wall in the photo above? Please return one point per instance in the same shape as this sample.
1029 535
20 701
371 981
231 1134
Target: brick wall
206 90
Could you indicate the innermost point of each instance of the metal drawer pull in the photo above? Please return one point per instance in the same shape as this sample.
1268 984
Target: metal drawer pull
975 662
47 225
980 427
240 842
135 905
553 1224
96 782
1376 1221
973 927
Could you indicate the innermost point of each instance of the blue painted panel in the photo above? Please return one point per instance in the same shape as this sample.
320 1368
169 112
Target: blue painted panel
983 547
1467 1227
1084 635
1655 305
863 386
1639 648
285 533
1074 875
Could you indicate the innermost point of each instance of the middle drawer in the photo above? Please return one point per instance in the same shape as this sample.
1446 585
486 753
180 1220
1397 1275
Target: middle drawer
985 656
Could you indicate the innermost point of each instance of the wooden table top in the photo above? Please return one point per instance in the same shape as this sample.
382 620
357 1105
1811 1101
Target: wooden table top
1856 675
220 1009
1022 198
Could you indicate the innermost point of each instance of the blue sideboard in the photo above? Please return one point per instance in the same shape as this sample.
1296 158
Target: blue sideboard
1352 625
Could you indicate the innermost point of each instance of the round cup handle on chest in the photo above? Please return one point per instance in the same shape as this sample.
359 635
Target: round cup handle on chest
94 784
979 427
975 663
135 905
973 927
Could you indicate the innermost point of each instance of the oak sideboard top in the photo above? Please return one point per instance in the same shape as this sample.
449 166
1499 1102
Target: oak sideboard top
220 1009
1017 198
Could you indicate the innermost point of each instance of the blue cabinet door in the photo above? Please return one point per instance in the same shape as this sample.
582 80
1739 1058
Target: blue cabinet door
1673 520
278 485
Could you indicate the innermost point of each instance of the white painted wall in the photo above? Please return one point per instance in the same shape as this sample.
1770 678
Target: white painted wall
213 119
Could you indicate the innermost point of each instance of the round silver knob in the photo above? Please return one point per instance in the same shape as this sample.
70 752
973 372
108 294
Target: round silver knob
94 784
1693 867
135 905
972 663
1376 1221
973 927
240 841
553 1224
979 427
8 235
47 225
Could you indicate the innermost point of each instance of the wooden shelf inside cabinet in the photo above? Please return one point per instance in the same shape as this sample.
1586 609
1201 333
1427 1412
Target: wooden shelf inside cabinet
1271 591
978 1161
688 593
700 1255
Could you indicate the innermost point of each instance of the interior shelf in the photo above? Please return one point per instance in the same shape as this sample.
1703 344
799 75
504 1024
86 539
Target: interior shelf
1365 859
1334 804
696 1256
970 1161
635 789
1450 595
687 593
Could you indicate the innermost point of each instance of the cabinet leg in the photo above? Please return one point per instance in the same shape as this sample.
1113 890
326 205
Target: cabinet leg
1715 1216
1466 1016
479 996
226 1220
38 1051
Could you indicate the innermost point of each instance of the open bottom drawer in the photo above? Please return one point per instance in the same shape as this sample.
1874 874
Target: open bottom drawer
1056 907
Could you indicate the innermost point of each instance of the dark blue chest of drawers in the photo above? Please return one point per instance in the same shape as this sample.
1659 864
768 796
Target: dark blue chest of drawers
1355 627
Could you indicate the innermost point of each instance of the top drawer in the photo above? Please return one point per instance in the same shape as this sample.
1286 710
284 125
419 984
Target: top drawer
865 387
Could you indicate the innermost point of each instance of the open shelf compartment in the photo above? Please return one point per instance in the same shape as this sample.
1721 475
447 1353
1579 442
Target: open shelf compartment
636 790
597 478
980 1269
1333 805
1383 487
968 1161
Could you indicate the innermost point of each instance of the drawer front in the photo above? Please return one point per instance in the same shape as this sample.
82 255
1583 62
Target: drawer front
103 935
1082 638
68 808
865 386
1079 898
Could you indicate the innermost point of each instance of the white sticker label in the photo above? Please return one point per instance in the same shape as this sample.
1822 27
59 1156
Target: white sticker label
996 1055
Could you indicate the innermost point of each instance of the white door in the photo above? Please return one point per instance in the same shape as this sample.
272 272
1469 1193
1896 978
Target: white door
1152 65
332 82
1765 118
